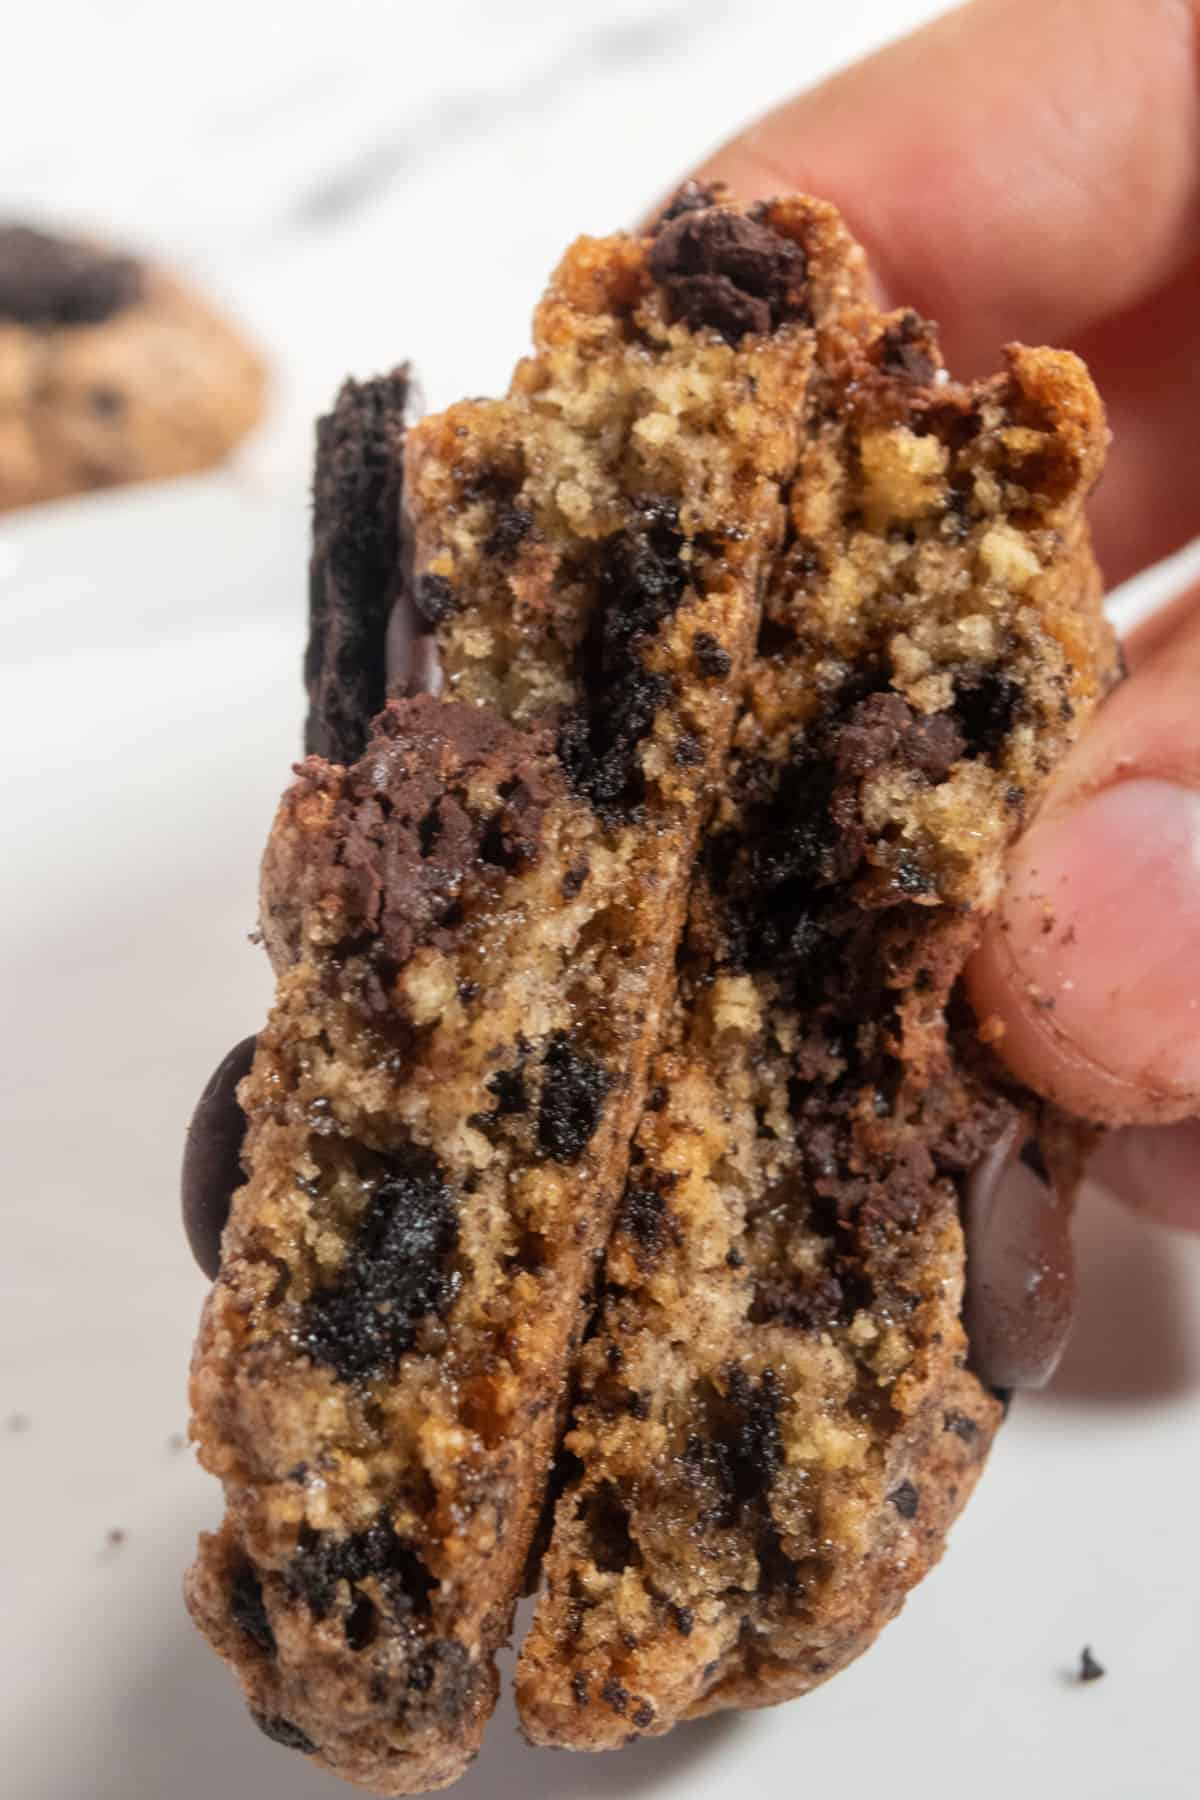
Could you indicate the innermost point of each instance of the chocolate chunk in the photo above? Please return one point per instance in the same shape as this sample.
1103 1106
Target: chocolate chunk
961 1425
579 1687
574 1088
730 273
212 1166
906 1500
684 1620
1089 1668
643 1715
408 830
282 1731
356 572
396 1273
46 281
248 1610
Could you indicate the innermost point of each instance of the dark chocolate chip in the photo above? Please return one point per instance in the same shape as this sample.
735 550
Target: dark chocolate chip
579 1687
212 1166
961 1425
643 1715
282 1731
46 281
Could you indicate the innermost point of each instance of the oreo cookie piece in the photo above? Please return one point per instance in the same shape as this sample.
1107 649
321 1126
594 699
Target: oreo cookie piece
356 577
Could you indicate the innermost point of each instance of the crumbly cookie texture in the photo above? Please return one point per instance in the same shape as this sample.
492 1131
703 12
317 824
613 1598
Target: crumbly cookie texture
111 371
474 928
774 1422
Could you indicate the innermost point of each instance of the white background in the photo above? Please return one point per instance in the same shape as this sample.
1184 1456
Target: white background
359 183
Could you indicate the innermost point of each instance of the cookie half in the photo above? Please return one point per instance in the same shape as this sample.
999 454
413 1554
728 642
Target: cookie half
474 927
776 1420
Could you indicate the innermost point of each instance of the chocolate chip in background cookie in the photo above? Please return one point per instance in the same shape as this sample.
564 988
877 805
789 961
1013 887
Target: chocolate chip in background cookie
46 280
212 1166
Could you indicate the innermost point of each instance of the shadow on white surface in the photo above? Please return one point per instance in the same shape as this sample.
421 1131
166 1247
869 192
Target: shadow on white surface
1137 1339
179 1731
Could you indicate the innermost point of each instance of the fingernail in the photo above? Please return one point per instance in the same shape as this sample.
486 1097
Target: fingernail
1020 1288
1102 915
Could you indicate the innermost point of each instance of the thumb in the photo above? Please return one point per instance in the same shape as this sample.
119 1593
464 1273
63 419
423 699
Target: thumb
1092 962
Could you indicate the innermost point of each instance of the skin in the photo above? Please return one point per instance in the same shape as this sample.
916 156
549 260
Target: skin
1030 170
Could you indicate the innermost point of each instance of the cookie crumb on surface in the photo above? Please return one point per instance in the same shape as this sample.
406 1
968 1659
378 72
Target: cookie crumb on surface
17 1422
115 1537
1089 1668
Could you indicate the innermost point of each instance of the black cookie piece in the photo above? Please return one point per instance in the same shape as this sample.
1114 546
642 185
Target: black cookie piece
356 574
729 272
211 1157
47 280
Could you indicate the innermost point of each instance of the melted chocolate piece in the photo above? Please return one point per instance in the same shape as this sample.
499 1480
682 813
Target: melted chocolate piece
47 280
1020 1281
211 1157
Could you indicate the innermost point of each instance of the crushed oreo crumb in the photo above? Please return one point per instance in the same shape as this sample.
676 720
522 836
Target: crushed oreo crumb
395 1274
574 1088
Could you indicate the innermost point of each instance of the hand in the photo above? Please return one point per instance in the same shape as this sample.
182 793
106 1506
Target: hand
1030 169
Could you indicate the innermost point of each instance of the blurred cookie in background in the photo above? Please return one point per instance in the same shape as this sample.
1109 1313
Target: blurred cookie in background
111 371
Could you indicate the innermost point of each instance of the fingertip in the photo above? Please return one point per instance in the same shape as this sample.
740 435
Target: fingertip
1155 1171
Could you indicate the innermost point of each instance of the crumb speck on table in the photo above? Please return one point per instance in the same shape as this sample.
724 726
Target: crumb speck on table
116 1537
17 1422
1089 1668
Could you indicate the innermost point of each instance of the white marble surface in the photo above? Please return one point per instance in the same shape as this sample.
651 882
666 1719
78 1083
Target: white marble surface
360 183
